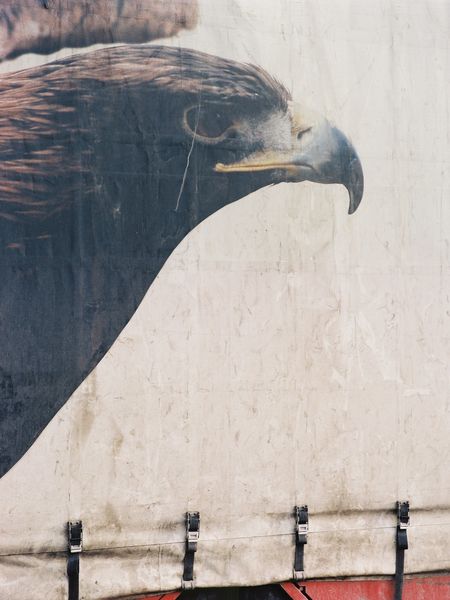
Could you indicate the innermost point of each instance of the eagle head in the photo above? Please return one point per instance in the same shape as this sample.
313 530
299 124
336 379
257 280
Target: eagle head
146 140
241 130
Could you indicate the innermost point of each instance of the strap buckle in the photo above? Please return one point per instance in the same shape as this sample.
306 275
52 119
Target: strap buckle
75 536
192 537
401 546
402 525
302 523
192 530
403 519
301 531
75 547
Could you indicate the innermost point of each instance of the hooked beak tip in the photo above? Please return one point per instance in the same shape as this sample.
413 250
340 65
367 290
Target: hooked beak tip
355 184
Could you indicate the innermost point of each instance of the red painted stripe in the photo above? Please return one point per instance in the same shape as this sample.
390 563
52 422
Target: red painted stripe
436 587
169 596
293 590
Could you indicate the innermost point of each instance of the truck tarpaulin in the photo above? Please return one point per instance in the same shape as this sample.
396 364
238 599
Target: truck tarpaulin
225 267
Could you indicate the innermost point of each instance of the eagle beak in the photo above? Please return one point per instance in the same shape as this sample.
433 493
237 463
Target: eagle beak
314 151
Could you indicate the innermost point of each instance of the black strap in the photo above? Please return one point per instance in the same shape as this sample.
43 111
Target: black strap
192 536
301 539
401 546
75 533
73 574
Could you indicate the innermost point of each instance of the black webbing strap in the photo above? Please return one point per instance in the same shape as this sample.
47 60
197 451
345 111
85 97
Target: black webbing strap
192 535
301 539
401 546
75 533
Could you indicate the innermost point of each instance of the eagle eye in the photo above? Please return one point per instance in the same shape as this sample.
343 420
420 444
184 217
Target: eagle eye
209 123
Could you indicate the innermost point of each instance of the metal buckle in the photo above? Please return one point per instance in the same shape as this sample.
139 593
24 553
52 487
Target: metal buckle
404 525
302 522
75 536
192 538
192 530
403 519
298 575
188 585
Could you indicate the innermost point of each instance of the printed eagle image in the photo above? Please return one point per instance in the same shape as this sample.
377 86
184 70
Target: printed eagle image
109 159
44 26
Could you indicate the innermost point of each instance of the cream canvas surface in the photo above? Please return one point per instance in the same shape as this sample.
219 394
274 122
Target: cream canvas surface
287 353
